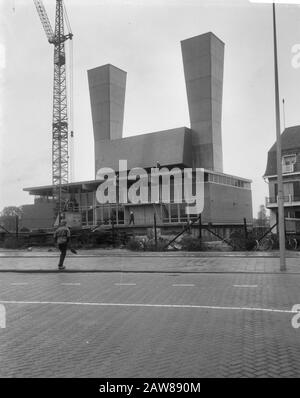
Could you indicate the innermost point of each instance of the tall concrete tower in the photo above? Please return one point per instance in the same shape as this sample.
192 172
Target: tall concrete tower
203 61
107 86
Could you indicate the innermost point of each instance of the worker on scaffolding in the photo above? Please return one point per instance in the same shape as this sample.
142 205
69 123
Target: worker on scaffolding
131 217
62 237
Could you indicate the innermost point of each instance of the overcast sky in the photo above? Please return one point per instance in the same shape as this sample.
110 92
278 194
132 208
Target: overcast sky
143 38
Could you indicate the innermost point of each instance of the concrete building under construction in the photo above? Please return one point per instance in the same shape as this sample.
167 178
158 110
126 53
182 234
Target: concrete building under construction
227 197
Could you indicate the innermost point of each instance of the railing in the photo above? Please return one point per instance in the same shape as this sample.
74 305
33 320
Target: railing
181 219
287 199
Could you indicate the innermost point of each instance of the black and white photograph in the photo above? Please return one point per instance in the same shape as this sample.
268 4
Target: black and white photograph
149 192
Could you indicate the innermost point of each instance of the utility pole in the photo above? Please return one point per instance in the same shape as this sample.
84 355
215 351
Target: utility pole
155 231
283 112
17 226
280 200
245 228
200 227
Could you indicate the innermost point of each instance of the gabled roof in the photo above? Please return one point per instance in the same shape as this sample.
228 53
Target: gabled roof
290 140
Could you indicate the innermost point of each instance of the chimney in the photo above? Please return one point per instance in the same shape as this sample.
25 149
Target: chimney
107 85
203 61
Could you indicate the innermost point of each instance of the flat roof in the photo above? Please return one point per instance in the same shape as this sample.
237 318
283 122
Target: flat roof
48 189
90 185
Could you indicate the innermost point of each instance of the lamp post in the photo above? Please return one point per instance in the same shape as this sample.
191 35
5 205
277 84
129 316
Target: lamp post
17 226
280 202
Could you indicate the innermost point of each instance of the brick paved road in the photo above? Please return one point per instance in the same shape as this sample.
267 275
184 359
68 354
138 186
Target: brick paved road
153 339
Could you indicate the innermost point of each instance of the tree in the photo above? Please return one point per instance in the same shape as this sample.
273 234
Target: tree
11 211
262 218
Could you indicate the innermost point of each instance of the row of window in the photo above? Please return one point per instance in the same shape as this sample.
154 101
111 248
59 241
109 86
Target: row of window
226 180
105 214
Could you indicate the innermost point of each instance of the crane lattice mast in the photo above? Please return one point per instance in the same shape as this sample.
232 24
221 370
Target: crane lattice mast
60 136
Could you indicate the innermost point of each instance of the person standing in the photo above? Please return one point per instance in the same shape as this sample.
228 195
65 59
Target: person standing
131 217
61 237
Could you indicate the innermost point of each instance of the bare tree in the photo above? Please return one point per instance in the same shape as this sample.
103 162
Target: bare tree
9 211
262 217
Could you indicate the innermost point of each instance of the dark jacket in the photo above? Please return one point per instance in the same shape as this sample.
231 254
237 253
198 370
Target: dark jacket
62 235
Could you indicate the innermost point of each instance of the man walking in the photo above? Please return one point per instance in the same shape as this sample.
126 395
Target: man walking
62 236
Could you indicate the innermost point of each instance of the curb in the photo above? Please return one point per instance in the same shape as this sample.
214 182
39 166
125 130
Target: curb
146 256
70 271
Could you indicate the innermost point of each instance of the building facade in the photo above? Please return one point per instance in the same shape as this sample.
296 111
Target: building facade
232 192
290 142
227 198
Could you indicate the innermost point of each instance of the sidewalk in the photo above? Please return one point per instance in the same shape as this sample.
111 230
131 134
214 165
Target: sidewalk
82 253
125 261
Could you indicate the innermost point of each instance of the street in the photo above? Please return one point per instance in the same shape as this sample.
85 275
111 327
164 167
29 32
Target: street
114 324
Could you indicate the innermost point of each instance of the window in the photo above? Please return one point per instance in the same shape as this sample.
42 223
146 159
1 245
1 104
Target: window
120 215
288 163
288 159
174 212
227 180
288 190
106 214
296 191
182 213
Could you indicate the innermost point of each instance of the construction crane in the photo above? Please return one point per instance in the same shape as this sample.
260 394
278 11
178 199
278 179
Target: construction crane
60 125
